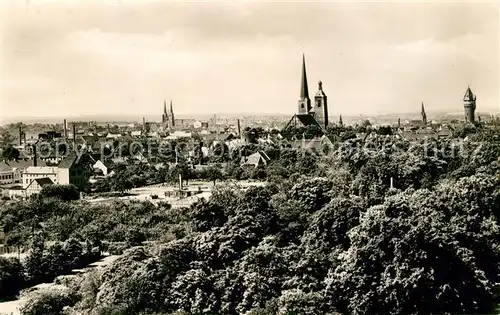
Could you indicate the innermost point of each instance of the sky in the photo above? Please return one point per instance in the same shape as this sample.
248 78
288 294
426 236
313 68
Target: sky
70 58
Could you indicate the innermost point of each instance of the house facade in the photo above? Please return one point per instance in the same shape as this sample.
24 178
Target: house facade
257 159
37 184
35 172
99 165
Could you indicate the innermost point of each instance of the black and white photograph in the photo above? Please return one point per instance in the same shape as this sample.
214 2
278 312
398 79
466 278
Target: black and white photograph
249 157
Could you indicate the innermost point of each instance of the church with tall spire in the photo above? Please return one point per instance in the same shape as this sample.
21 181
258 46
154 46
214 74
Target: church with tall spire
308 114
304 100
164 117
172 118
423 114
167 118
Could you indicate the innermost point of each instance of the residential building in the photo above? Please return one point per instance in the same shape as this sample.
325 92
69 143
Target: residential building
318 143
6 174
37 184
35 172
72 170
100 165
12 170
16 192
257 159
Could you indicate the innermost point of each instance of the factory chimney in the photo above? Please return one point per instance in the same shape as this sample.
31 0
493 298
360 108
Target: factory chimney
65 130
35 158
239 128
20 135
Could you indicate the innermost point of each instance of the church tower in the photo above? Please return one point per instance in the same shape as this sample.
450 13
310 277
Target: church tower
469 105
172 119
321 107
304 101
424 115
164 117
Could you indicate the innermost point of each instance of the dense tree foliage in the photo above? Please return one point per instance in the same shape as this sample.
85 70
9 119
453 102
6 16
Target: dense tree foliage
381 225
11 277
10 153
62 192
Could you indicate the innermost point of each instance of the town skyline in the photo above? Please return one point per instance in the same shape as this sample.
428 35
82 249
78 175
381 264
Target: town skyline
59 61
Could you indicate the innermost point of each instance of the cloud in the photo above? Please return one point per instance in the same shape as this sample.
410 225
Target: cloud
108 58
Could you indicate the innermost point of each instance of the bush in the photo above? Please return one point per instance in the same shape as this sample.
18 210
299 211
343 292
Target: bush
47 302
62 192
11 277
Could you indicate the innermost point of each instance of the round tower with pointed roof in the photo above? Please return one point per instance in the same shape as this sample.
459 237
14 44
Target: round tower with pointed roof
469 105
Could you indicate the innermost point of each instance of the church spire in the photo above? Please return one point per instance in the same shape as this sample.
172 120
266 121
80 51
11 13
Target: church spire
172 114
164 116
304 89
424 115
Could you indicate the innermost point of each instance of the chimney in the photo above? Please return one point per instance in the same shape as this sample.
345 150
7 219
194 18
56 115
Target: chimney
65 130
239 128
20 136
74 134
34 156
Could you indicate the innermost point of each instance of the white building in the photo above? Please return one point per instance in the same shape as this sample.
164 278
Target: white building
113 136
99 165
197 124
257 159
6 174
181 134
36 172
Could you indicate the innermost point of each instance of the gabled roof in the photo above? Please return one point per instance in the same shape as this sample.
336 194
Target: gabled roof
44 181
264 155
316 143
68 161
256 158
308 120
105 163
22 163
4 167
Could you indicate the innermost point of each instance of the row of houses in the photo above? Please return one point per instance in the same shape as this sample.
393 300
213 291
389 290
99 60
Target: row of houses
23 178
